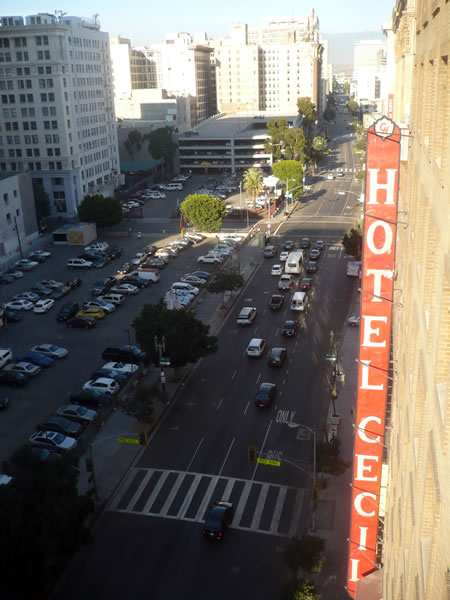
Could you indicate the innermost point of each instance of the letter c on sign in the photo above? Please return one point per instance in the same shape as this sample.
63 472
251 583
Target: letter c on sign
362 430
358 502
387 245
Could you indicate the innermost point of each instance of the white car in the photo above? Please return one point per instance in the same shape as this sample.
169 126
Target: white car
210 258
283 256
116 299
51 350
24 367
102 384
156 195
42 253
180 285
222 249
19 305
121 367
76 412
277 270
125 288
51 283
31 296
192 279
53 440
354 321
102 246
107 307
15 273
330 176
43 306
26 265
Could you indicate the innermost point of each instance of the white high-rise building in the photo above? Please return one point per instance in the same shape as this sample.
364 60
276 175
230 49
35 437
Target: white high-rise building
369 69
57 113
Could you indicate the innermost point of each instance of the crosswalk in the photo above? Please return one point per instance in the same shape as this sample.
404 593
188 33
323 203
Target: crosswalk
258 506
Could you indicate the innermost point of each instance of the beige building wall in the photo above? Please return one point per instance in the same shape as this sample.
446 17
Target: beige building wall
416 544
237 78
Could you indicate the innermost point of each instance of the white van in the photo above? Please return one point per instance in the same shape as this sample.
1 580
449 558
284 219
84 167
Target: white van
174 187
151 275
299 301
294 262
256 347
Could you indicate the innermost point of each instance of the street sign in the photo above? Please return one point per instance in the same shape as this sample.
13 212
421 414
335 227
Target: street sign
164 362
330 356
127 440
265 461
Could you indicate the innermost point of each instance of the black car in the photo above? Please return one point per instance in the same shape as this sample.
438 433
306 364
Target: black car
12 317
74 283
265 394
13 378
6 278
311 266
276 301
81 322
37 257
314 254
276 357
219 516
289 246
61 425
60 292
319 244
150 249
90 398
115 252
158 262
128 354
92 255
120 378
41 290
101 261
289 328
3 401
44 455
305 242
67 311
140 282
126 268
102 285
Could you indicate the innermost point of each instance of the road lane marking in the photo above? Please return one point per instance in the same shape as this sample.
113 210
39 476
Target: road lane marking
193 456
246 408
226 457
259 506
259 377
234 374
262 448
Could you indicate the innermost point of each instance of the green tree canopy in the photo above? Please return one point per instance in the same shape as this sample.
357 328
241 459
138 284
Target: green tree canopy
253 182
43 522
308 111
284 142
346 87
352 240
102 211
329 114
328 458
41 201
140 403
204 212
134 138
353 107
298 589
226 280
186 338
291 172
361 144
305 552
320 143
161 144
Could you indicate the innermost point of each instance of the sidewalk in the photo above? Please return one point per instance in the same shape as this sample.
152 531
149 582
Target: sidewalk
112 459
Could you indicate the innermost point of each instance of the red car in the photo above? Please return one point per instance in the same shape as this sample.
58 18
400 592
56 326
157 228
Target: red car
305 283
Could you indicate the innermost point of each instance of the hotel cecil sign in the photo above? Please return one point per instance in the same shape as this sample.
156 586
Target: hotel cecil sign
380 226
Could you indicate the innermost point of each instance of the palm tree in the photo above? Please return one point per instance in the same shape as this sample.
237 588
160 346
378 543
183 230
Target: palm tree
253 183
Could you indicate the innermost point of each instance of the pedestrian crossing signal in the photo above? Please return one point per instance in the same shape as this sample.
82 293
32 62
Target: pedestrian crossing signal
252 454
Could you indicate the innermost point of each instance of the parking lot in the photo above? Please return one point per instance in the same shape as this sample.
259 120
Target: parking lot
44 393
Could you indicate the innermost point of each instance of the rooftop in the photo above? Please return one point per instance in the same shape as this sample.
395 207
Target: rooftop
243 125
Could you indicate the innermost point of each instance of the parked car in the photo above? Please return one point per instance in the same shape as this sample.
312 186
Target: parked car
79 263
122 367
60 293
81 322
116 299
43 306
106 307
61 425
6 278
30 296
90 398
103 384
36 358
19 305
120 378
202 274
92 312
354 321
51 283
193 279
210 258
77 413
26 265
51 350
5 356
53 440
41 290
127 354
125 268
13 378
24 367
135 280
11 316
14 272
124 288
67 311
115 252
218 518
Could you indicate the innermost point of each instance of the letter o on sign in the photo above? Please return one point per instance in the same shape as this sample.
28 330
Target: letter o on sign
387 245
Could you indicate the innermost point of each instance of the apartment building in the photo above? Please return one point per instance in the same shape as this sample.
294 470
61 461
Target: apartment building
57 112
416 536
267 68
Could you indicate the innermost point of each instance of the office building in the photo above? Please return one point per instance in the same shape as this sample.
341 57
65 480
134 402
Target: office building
369 69
57 112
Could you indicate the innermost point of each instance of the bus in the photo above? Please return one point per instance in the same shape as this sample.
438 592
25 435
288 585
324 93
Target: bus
294 263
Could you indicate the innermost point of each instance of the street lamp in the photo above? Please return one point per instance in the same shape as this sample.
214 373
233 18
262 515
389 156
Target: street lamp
289 192
160 347
311 430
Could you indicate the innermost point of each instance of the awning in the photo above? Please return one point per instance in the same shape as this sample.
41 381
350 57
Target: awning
370 587
270 181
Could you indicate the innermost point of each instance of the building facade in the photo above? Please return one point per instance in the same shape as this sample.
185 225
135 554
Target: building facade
267 68
369 69
416 537
57 112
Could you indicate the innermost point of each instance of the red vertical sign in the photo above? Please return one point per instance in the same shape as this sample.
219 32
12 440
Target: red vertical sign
383 156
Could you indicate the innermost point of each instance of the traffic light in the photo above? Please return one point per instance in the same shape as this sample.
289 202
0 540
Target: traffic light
142 438
252 454
89 465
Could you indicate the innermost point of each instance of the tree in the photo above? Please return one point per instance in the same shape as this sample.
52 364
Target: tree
186 338
291 172
361 145
41 202
328 459
353 107
42 513
225 281
140 404
352 241
306 553
161 144
104 212
329 114
308 111
320 143
346 87
134 138
203 212
284 142
253 183
298 589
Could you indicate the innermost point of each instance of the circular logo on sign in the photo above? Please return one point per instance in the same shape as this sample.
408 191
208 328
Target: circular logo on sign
384 127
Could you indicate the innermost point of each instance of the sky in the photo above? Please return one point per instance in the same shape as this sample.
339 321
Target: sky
147 21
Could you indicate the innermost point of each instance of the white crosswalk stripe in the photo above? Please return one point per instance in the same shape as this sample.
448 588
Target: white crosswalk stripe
258 506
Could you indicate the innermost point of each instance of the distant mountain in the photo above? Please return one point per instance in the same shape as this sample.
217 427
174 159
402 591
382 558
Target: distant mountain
341 47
